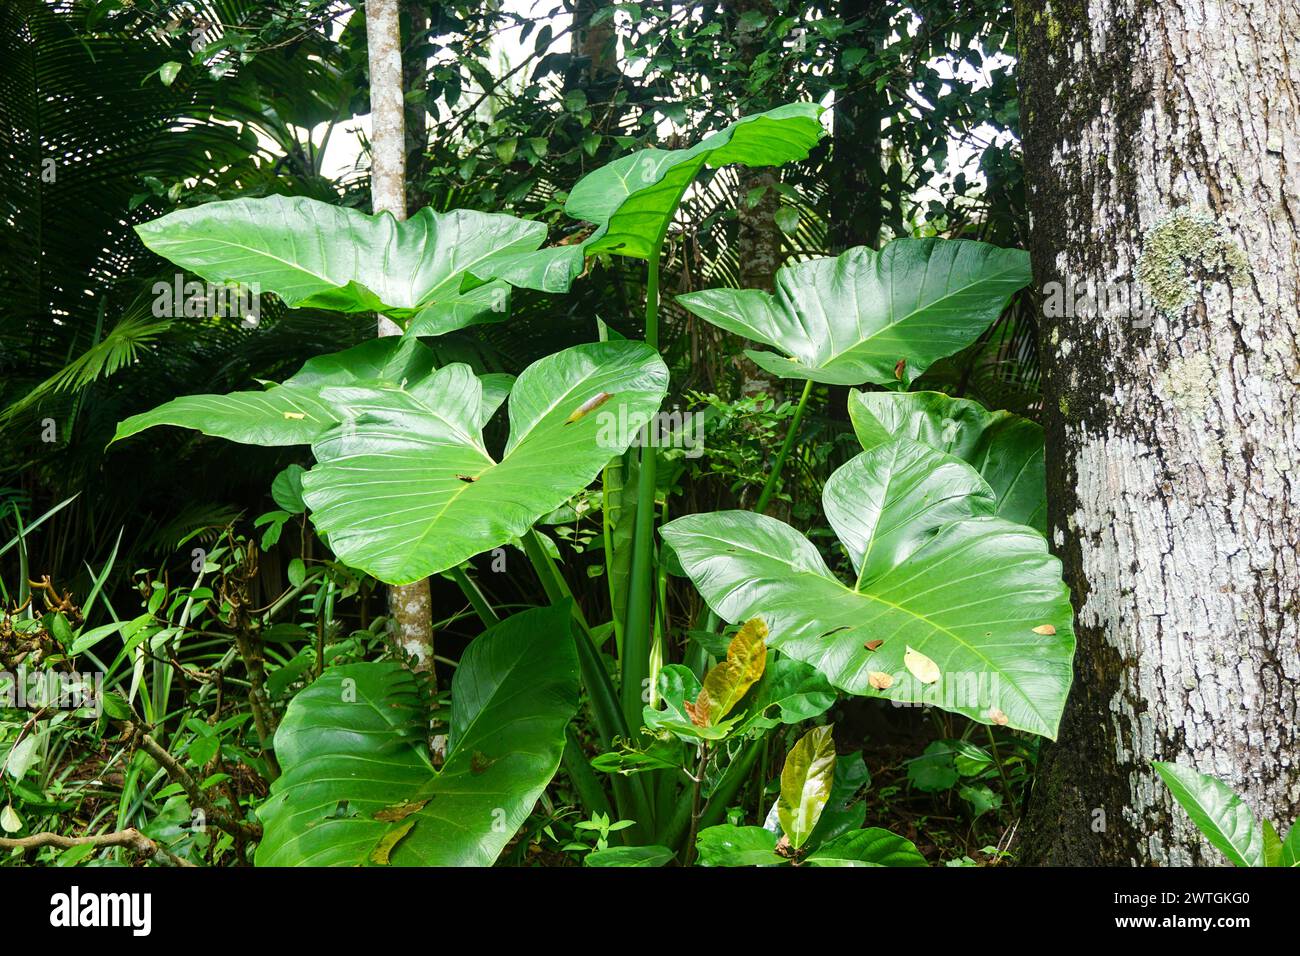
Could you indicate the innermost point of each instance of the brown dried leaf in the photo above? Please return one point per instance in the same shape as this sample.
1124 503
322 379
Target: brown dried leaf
590 405
920 666
880 680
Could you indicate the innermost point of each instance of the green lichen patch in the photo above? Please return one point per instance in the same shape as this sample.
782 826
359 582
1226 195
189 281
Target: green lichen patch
1179 243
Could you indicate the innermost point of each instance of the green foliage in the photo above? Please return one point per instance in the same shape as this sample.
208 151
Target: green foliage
1225 820
872 317
951 606
359 787
807 788
316 255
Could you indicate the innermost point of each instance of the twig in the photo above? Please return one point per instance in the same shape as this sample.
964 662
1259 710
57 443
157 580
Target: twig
130 838
198 799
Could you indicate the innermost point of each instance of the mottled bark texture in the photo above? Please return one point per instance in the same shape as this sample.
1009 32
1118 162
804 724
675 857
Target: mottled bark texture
410 606
1162 147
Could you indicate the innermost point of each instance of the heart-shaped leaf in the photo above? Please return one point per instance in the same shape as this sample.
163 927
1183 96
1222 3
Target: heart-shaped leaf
632 201
404 486
358 788
1218 813
882 317
313 254
886 503
1005 449
969 599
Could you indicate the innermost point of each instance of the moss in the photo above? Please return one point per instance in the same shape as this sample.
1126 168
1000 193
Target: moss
1182 240
1064 406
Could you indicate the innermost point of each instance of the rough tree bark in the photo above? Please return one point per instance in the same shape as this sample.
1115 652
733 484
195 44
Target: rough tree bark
1162 147
410 606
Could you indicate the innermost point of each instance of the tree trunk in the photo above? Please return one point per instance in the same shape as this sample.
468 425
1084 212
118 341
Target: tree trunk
410 606
1162 149
856 179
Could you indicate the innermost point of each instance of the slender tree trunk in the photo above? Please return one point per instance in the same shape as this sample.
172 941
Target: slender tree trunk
410 606
1162 147
856 177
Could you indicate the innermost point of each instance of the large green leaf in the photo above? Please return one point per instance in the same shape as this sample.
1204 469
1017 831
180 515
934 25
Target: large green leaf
789 692
357 779
870 847
1005 449
980 598
632 200
630 856
311 253
292 413
1218 813
806 784
886 503
868 316
727 845
1291 846
404 486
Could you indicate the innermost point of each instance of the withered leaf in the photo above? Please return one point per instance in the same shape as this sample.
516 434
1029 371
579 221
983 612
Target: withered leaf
920 666
998 717
590 405
467 478
726 683
388 842
400 811
294 416
1045 629
874 645
479 762
698 711
899 367
880 680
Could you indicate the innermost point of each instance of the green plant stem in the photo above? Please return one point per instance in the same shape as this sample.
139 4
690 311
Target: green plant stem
997 759
636 632
630 794
791 433
475 597
584 779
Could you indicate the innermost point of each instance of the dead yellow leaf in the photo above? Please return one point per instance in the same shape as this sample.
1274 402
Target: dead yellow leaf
590 405
295 416
920 666
726 683
998 717
388 842
880 680
1046 629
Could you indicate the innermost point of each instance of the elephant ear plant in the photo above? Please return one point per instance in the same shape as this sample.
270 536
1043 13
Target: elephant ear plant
953 600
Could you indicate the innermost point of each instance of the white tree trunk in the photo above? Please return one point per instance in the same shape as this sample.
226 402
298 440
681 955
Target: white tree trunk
1163 157
409 606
